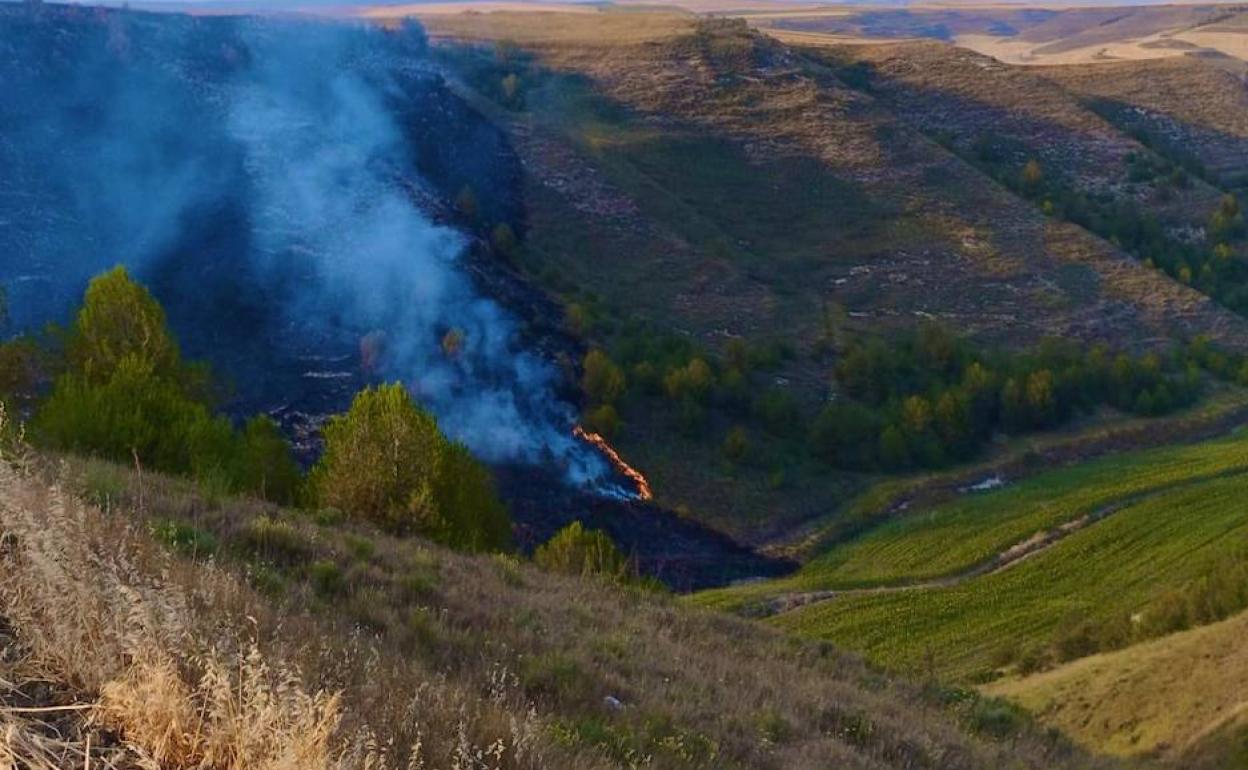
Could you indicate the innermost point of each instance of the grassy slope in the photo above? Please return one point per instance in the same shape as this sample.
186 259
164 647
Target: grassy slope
1111 567
1180 697
496 640
968 531
1193 103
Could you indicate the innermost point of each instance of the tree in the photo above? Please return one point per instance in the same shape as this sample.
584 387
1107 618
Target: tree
952 420
691 382
604 420
1040 398
575 550
894 451
602 380
19 369
937 348
385 460
1227 221
1013 411
266 465
847 436
470 515
916 415
120 319
736 444
1032 176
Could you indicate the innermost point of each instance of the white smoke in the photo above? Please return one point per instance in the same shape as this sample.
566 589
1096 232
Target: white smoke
325 159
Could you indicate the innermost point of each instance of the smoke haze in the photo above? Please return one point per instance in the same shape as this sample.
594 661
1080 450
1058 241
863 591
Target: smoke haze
255 174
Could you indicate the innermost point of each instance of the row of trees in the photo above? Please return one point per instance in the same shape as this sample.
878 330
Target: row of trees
919 400
929 399
121 390
1207 264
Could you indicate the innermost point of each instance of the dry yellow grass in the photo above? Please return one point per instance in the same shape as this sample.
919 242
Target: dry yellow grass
117 655
1160 698
546 26
86 615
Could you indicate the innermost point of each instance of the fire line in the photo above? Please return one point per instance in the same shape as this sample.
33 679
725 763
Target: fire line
643 486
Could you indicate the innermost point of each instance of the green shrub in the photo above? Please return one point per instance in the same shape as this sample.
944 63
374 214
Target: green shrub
556 678
125 394
418 584
103 483
275 539
327 579
575 550
265 464
996 718
386 461
360 548
267 580
184 538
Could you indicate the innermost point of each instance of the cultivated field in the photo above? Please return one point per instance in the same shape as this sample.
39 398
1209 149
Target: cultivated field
1117 565
956 537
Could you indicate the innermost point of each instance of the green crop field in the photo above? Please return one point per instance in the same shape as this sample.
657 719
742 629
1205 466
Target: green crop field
1157 544
955 537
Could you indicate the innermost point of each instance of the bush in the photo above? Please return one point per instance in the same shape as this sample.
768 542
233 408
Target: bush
603 381
736 444
275 539
125 393
604 420
386 461
575 550
265 464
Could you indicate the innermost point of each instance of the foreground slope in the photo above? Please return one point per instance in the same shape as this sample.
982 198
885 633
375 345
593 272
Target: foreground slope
436 655
1181 697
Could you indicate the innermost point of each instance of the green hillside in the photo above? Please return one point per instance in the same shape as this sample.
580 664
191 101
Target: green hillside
1124 565
973 529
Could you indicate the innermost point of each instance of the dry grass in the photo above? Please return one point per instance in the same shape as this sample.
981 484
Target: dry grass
546 26
87 614
414 657
1164 698
117 655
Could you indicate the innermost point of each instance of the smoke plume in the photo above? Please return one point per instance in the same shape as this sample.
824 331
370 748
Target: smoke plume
232 158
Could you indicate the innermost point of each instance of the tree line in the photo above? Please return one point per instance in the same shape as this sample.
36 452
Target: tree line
1206 260
114 385
920 399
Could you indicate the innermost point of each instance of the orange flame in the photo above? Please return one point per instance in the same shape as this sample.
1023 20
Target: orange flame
643 486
